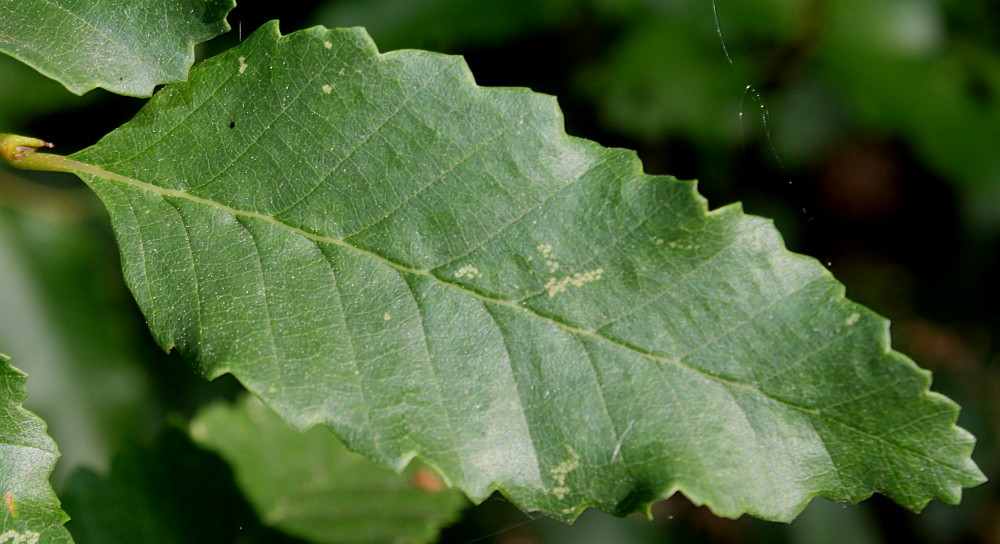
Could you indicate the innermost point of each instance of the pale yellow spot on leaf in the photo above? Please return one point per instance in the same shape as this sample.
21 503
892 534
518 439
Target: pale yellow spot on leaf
327 89
852 319
550 262
677 245
557 285
560 471
468 272
327 45
387 317
17 537
243 64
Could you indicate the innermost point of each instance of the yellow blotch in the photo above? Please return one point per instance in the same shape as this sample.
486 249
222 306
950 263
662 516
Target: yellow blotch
557 285
559 472
468 272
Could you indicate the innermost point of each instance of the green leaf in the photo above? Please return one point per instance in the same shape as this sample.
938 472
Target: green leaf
170 493
436 269
123 46
308 485
29 510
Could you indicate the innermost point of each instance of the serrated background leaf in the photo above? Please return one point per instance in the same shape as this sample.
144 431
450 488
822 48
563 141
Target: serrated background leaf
435 269
124 46
29 509
309 485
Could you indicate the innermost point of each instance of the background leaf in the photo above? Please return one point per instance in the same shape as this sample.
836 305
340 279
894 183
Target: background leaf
169 493
435 269
29 511
66 316
123 46
309 485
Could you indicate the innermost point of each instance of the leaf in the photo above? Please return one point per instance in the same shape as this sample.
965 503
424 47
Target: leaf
435 269
29 512
123 46
308 485
170 493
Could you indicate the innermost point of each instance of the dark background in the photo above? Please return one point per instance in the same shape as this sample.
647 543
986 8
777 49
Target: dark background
869 130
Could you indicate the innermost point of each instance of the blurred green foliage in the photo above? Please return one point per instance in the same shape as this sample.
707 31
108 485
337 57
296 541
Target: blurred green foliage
915 70
869 129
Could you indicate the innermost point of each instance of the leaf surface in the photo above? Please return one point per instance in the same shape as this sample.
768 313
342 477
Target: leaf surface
435 269
310 486
29 509
124 46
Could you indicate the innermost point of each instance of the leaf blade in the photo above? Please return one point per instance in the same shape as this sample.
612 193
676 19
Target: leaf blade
483 291
124 47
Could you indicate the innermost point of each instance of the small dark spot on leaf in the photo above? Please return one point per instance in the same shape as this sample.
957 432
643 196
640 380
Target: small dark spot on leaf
232 124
